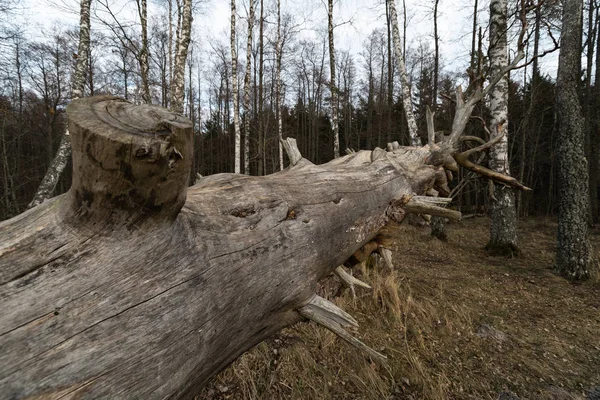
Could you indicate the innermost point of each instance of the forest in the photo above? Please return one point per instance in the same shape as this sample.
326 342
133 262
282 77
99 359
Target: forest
37 78
166 192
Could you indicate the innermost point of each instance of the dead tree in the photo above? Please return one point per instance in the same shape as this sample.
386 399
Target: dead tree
134 284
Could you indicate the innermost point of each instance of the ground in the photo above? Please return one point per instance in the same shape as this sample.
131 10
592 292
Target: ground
454 323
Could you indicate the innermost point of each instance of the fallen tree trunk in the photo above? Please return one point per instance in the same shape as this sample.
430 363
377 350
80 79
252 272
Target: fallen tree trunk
132 285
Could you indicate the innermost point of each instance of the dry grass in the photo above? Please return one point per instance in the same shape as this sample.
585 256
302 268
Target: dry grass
454 323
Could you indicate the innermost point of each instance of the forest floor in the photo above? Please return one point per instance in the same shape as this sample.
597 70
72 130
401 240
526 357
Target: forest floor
454 323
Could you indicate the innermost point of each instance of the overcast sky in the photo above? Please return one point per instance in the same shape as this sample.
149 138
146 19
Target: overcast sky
212 20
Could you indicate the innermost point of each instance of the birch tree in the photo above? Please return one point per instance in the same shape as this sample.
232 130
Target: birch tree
137 47
64 150
279 51
503 229
262 167
406 95
573 255
181 50
234 86
332 88
247 113
143 54
170 19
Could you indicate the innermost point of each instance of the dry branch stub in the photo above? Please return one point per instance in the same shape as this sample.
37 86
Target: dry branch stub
350 281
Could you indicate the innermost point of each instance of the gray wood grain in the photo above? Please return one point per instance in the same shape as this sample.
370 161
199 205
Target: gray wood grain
134 294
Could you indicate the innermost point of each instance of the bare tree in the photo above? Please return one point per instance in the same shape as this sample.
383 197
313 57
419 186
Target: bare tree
139 48
181 50
64 151
247 106
332 88
234 86
278 99
143 53
261 125
406 96
170 21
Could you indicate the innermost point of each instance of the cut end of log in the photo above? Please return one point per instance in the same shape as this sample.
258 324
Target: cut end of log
126 157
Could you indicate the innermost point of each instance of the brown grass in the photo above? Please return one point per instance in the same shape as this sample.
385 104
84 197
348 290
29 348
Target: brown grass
454 323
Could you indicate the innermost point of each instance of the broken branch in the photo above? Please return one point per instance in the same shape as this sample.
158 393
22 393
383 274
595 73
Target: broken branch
349 281
330 316
422 205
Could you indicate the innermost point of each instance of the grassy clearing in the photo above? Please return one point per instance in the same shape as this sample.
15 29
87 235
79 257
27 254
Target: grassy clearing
454 323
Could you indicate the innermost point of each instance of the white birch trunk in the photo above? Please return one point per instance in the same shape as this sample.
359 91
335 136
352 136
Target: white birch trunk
234 88
503 230
143 54
170 47
406 96
332 88
247 90
181 50
278 91
63 154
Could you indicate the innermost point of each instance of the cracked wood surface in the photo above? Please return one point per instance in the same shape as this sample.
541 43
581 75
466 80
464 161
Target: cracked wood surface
144 296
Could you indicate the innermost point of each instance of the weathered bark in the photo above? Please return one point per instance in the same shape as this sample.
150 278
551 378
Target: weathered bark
406 96
573 256
591 147
503 227
181 50
64 150
595 130
119 289
236 103
247 113
332 88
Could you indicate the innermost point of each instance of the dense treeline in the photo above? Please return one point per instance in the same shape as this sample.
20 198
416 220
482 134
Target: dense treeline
36 87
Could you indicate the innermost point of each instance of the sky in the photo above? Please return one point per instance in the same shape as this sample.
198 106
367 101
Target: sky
357 19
